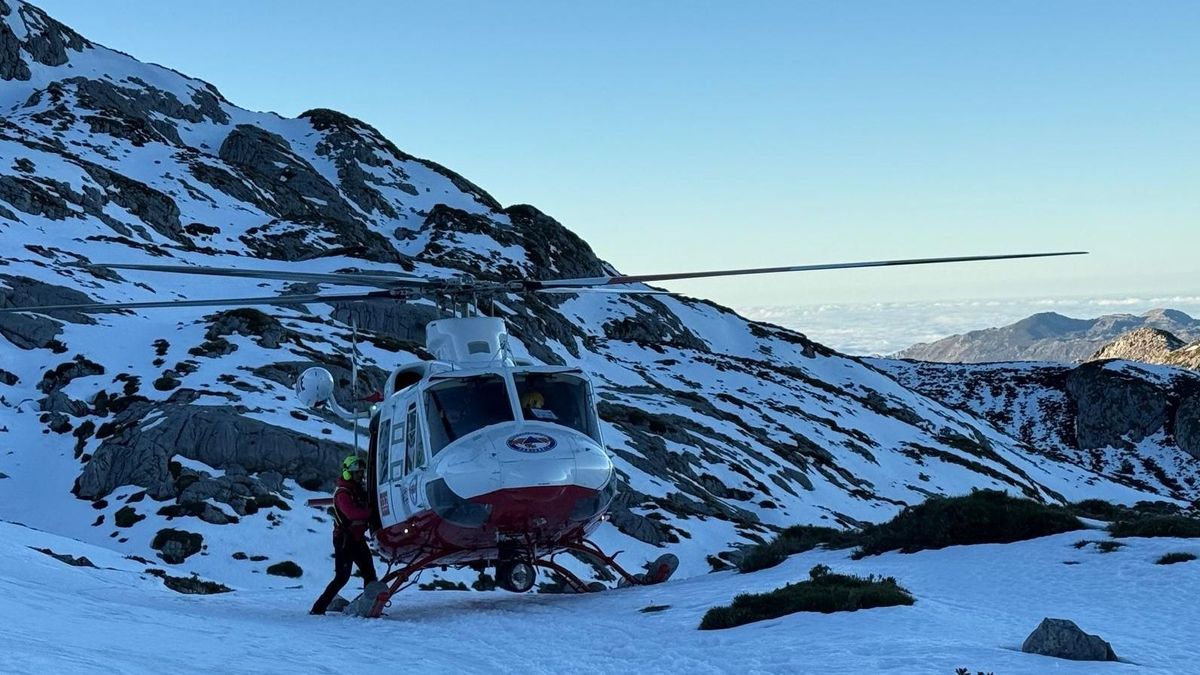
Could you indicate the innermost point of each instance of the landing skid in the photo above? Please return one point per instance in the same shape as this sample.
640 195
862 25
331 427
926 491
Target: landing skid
659 571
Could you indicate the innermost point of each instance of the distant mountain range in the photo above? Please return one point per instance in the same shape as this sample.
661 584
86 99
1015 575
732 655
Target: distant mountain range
1049 336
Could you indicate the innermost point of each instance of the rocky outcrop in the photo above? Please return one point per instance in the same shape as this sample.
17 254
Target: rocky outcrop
1063 639
46 42
1114 409
1049 337
1148 345
1187 426
139 444
34 331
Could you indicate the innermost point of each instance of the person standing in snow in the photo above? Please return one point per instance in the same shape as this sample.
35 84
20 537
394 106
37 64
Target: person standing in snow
350 515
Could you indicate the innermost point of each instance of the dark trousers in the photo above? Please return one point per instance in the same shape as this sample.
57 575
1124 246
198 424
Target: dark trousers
347 552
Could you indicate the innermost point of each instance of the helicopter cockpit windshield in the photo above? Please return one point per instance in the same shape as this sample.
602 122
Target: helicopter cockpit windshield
459 406
556 398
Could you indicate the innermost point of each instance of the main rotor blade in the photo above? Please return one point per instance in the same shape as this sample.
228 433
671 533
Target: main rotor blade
584 282
591 289
217 302
378 279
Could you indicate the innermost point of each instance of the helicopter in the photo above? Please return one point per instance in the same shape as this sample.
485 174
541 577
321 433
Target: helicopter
476 458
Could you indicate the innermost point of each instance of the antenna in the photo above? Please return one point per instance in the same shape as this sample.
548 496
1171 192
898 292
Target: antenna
354 376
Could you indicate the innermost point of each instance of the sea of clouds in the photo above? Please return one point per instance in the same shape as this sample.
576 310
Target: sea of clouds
887 327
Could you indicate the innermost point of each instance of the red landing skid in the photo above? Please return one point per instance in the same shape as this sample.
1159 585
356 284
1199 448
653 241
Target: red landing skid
660 570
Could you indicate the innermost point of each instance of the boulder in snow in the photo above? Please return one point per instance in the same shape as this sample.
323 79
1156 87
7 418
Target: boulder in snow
1061 638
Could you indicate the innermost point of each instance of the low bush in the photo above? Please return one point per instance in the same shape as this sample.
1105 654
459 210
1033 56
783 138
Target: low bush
795 539
192 585
982 517
286 568
1098 509
1156 526
823 592
1172 558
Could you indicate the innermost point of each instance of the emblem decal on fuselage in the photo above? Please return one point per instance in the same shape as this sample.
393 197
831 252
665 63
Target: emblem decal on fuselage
531 443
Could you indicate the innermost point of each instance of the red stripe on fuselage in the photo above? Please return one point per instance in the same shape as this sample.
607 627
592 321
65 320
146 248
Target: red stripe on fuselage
537 515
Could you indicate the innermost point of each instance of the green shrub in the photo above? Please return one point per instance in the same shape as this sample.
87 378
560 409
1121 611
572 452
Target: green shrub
1172 558
1098 509
795 539
286 568
824 592
982 517
192 585
127 516
1156 526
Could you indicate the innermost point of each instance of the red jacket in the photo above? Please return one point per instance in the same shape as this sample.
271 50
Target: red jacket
351 510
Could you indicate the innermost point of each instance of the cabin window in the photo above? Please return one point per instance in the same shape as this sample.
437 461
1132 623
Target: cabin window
383 447
557 398
416 448
456 407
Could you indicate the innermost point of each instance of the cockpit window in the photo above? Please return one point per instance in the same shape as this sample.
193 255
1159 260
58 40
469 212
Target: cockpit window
558 399
459 406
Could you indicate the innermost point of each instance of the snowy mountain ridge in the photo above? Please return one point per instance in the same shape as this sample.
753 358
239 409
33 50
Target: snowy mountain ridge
172 434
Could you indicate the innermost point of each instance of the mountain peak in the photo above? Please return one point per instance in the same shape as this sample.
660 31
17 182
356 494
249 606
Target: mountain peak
1163 315
29 35
1147 344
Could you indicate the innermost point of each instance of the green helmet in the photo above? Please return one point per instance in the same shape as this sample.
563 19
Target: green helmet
351 464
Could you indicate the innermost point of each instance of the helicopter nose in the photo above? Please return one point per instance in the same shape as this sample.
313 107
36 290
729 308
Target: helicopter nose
541 459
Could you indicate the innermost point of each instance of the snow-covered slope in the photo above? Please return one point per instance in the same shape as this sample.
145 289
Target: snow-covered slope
974 607
1137 423
118 426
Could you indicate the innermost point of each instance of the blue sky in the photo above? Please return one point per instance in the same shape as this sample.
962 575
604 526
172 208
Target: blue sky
678 136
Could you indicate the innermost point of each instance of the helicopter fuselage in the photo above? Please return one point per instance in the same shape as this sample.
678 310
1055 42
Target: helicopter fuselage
481 464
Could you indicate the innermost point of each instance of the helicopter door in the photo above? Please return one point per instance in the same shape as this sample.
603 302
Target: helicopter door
414 496
382 444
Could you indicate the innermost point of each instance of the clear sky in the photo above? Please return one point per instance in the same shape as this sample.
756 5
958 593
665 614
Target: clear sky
693 135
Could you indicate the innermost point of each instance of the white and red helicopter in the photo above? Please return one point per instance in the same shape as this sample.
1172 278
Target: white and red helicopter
477 458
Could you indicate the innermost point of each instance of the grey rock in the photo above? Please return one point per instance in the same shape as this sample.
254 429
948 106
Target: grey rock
215 435
12 65
48 40
1114 409
59 402
175 546
304 202
1148 345
1063 639
248 322
1187 426
29 331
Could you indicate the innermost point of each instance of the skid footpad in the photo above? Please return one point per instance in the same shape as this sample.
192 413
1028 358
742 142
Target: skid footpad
370 602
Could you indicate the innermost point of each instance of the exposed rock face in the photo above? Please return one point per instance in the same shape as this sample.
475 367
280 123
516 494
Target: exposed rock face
1187 426
36 331
175 546
1063 639
1049 337
47 41
1114 409
1148 345
140 446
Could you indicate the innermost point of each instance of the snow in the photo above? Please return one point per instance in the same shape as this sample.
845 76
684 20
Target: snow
974 607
